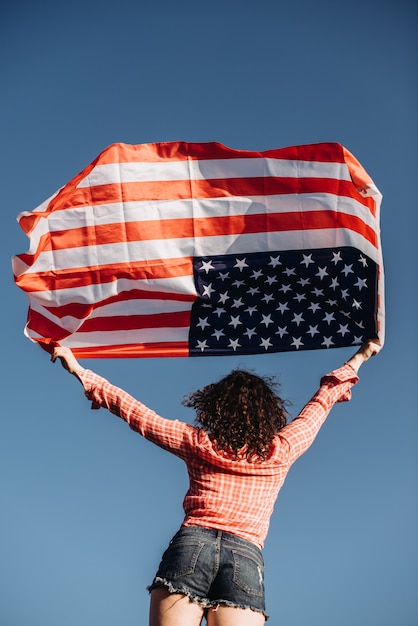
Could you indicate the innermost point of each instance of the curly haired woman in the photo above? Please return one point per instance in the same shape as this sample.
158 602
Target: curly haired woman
237 457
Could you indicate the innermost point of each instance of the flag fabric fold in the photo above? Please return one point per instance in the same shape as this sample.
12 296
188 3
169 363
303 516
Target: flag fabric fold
196 249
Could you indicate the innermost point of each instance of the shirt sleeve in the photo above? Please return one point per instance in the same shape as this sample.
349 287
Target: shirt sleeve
172 435
301 432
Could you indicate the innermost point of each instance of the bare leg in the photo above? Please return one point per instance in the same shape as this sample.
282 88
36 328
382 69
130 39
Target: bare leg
230 616
173 609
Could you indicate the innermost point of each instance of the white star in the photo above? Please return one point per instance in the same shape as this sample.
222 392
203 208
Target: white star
313 330
322 272
336 256
289 271
327 342
235 321
357 340
344 293
241 264
329 317
334 283
298 318
282 307
206 265
202 345
343 329
250 310
303 282
360 324
237 303
356 304
223 297
266 343
253 290
318 292
203 322
270 280
274 261
307 259
256 274
238 283
234 344
363 260
345 313
299 297
250 332
223 276
267 297
314 306
266 320
297 342
361 282
219 310
331 302
348 269
282 331
218 334
207 290
285 288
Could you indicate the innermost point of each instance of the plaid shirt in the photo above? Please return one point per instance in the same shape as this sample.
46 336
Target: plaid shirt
236 496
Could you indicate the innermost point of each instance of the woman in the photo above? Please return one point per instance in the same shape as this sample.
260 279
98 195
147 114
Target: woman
237 457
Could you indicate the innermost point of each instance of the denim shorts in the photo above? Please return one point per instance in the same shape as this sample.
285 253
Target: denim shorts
212 568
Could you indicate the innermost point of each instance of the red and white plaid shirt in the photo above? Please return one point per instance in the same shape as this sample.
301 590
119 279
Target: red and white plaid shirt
227 494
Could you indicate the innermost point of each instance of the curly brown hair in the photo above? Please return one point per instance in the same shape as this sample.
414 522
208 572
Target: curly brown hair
241 413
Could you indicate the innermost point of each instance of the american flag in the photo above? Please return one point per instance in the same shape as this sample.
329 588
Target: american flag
187 249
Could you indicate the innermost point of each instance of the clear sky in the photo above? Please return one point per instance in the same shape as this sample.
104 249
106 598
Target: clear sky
86 505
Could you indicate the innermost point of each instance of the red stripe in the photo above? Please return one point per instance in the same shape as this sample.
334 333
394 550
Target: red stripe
128 351
181 151
178 319
45 327
206 188
95 274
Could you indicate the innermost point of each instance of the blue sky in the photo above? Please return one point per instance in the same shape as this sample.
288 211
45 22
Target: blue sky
86 505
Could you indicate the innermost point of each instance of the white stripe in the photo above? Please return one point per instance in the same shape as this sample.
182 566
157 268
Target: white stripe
206 169
91 294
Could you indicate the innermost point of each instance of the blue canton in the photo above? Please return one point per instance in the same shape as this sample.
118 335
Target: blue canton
276 302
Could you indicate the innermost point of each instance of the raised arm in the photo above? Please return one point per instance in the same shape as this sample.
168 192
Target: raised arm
335 387
177 437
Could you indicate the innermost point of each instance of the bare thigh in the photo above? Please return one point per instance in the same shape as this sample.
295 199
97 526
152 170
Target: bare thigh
230 616
173 609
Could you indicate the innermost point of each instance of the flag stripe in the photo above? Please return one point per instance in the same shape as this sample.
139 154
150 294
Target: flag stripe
116 173
124 303
152 349
177 151
215 188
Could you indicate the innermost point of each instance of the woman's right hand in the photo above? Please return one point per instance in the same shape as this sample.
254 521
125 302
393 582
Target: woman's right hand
68 360
368 349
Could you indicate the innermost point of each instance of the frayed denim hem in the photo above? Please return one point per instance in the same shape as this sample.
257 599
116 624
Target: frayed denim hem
203 602
163 582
